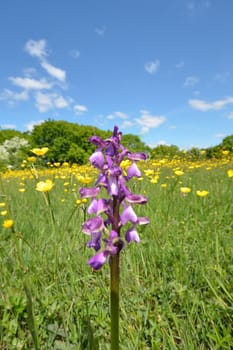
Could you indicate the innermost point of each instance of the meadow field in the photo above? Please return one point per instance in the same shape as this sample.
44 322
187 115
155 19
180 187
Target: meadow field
176 284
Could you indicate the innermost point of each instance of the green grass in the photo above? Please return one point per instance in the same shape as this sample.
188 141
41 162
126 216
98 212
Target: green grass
176 285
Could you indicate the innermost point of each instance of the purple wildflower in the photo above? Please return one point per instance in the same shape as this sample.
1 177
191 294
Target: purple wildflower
112 213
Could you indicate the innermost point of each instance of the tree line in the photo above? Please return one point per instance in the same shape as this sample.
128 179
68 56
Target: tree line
68 142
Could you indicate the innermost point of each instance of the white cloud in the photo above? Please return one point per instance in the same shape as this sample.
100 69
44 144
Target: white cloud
46 102
80 109
12 96
148 121
43 102
118 114
152 67
31 84
110 116
60 102
191 81
121 115
30 126
54 71
204 106
126 124
36 48
8 126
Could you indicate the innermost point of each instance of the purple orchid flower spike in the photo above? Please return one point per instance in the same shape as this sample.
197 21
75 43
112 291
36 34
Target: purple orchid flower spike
112 213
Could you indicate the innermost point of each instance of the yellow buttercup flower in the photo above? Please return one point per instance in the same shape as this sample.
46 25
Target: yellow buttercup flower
149 172
3 212
179 172
8 223
185 190
2 204
230 173
202 193
154 180
164 185
22 190
81 201
40 151
85 180
44 186
31 159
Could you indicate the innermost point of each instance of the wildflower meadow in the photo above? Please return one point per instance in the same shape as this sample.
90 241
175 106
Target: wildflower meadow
176 253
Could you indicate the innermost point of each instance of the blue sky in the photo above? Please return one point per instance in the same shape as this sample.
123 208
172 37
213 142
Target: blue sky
160 69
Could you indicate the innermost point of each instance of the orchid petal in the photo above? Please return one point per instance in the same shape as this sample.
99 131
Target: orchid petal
89 192
98 260
143 220
102 180
133 171
102 205
132 235
128 214
137 156
95 241
97 159
92 225
136 198
92 207
97 141
113 185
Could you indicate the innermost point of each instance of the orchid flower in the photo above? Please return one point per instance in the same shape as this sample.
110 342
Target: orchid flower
111 214
118 209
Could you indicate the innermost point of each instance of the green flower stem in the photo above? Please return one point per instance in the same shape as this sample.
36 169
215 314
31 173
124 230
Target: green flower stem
115 281
48 202
114 295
